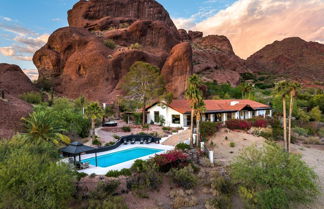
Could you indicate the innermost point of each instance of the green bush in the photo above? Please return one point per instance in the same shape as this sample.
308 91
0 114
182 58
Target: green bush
105 189
135 46
182 146
264 184
315 114
31 178
321 132
32 97
126 129
146 126
184 177
111 202
80 175
116 136
96 142
116 173
208 129
110 43
166 128
232 144
109 144
300 131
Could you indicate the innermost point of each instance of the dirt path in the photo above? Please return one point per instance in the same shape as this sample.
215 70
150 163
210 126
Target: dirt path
178 138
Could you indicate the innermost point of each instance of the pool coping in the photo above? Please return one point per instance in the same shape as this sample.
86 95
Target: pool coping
103 170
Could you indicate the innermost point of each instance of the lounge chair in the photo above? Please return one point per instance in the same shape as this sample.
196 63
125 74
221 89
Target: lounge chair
149 140
133 141
84 165
125 141
141 141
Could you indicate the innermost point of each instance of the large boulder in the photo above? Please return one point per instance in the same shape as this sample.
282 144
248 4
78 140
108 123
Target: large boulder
292 58
14 81
178 68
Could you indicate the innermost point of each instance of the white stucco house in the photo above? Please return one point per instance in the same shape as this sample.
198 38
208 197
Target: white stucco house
177 114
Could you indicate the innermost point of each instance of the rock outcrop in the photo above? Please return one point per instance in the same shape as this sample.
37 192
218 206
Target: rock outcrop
14 83
215 60
178 68
92 55
292 58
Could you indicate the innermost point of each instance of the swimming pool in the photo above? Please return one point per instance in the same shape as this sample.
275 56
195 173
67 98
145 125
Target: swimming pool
121 156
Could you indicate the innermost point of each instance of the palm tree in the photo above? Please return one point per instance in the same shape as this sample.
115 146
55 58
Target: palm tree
199 109
281 89
194 95
246 88
292 88
40 126
93 111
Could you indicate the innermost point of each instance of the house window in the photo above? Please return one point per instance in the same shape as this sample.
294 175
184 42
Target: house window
218 117
176 119
229 116
268 112
156 116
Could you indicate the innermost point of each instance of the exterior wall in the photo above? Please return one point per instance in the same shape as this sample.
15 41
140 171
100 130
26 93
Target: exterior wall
165 112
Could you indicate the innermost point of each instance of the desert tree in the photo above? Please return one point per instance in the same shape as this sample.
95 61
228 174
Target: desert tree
143 83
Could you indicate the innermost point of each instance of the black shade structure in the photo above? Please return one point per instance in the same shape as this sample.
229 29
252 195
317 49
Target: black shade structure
75 149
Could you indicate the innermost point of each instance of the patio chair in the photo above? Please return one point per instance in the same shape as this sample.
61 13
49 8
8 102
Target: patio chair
84 165
133 141
125 141
71 160
141 141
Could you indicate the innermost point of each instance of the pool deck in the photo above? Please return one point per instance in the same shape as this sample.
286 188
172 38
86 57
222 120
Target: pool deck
127 164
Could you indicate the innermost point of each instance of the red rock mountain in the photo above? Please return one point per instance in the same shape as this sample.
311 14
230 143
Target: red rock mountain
291 57
82 60
14 82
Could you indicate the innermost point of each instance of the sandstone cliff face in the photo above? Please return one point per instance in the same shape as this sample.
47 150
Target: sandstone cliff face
178 68
293 58
215 60
14 82
78 62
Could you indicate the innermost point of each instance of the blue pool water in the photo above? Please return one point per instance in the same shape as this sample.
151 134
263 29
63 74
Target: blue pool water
121 156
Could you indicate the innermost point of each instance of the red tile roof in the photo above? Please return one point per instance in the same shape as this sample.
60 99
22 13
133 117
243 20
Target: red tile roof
183 106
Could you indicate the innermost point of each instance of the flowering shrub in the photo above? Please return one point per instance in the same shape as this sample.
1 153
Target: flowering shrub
260 123
208 129
238 124
172 159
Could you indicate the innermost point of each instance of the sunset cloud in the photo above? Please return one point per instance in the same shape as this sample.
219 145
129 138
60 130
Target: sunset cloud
252 24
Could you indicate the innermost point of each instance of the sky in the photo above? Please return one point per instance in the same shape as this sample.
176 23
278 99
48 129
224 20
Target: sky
249 24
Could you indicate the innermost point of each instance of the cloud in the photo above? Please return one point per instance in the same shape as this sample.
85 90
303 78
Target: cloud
22 42
251 24
8 19
56 19
31 73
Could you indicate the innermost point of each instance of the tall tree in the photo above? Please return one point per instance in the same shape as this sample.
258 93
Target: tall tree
93 111
41 127
281 89
292 88
246 89
143 83
199 109
195 96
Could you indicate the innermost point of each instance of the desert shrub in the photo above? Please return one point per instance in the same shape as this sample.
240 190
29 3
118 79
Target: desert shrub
232 144
315 114
32 97
264 184
312 140
238 124
171 159
109 144
80 175
146 126
208 129
111 202
135 46
147 176
220 202
300 131
321 132
44 84
96 142
184 177
31 178
116 136
104 189
126 129
182 146
116 173
166 128
123 25
110 43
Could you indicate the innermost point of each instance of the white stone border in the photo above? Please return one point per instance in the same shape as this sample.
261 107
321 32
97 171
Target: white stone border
127 164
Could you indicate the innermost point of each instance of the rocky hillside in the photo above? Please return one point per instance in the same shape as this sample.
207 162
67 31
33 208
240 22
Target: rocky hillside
292 58
104 38
14 83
